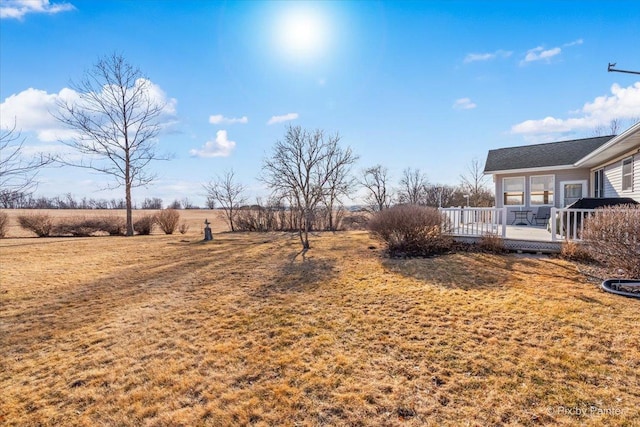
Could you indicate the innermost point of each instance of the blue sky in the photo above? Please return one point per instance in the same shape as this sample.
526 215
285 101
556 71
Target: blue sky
427 85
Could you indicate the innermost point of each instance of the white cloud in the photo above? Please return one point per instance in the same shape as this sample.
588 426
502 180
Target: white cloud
220 147
623 103
17 9
573 43
474 57
464 104
32 110
219 119
283 118
540 54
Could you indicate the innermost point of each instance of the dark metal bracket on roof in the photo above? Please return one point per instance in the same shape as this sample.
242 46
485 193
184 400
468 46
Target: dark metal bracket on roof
610 69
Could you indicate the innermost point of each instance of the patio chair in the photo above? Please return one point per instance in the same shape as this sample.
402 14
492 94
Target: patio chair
542 216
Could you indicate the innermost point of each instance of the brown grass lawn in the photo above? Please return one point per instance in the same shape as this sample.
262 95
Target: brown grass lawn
168 330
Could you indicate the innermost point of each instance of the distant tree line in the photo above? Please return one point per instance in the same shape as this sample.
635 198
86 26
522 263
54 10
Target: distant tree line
26 200
414 188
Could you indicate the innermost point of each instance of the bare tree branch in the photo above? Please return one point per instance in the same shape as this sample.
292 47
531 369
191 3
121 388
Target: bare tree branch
116 122
474 182
413 187
17 174
228 193
376 180
303 167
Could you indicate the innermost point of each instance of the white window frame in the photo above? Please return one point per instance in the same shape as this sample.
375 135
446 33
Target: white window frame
598 183
629 161
553 190
524 191
563 183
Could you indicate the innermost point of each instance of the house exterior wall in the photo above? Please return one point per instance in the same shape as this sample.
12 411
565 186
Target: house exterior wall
613 177
560 176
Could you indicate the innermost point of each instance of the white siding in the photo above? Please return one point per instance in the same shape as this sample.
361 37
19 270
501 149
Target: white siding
613 179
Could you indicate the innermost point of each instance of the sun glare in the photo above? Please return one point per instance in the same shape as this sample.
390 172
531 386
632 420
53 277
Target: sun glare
302 33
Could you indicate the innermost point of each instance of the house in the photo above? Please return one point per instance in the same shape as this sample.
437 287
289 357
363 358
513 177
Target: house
557 174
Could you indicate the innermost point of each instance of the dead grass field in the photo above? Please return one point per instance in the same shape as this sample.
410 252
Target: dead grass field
168 330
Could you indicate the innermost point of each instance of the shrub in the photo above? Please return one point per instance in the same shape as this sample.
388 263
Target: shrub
410 230
4 224
491 243
355 221
114 225
574 251
184 227
83 227
41 224
144 224
77 227
168 220
612 236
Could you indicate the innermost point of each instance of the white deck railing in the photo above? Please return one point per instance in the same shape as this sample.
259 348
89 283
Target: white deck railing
475 221
568 223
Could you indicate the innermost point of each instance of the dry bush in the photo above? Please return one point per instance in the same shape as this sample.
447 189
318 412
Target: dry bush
77 227
250 219
410 230
114 225
41 224
184 227
144 224
612 236
267 218
4 224
168 220
356 221
573 251
83 226
491 243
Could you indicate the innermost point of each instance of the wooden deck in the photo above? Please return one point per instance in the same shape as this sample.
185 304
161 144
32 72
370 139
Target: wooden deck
529 232
470 224
520 238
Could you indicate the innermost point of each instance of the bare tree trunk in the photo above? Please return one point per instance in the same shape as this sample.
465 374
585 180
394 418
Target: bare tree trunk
330 216
129 210
307 226
127 181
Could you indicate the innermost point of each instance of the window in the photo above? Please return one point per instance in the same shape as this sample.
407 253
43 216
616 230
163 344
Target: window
571 191
542 190
598 184
513 191
627 174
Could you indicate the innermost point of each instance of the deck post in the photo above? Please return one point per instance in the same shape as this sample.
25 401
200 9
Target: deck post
504 221
554 225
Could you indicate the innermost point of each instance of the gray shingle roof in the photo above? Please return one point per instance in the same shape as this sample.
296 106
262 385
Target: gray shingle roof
542 155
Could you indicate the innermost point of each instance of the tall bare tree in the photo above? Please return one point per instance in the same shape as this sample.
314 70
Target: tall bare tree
228 193
375 180
301 166
339 183
439 195
17 174
475 183
413 187
116 121
615 126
